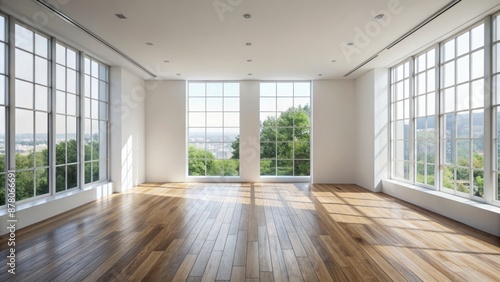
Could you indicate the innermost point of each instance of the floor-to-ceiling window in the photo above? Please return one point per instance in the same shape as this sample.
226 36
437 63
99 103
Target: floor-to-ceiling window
31 112
96 120
3 104
285 127
40 122
213 128
67 114
449 111
496 103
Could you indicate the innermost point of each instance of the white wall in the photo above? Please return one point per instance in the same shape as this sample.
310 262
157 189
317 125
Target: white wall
127 129
364 115
372 124
334 131
166 131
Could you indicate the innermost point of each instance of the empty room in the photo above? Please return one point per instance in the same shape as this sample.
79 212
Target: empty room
236 140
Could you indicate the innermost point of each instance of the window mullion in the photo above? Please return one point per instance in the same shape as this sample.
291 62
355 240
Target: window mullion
489 184
437 119
81 119
52 118
411 117
11 105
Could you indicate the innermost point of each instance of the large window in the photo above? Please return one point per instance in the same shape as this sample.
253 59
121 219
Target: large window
213 129
496 103
400 89
41 128
67 114
3 113
445 110
31 113
462 100
285 128
96 120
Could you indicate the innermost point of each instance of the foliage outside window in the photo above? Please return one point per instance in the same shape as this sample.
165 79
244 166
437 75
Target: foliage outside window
285 128
213 128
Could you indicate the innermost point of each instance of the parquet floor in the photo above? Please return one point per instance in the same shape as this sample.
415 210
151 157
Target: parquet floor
252 232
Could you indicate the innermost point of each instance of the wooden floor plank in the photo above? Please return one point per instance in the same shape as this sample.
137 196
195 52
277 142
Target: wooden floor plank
252 232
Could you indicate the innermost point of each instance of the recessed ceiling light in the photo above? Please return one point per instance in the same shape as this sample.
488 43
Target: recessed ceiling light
249 74
166 61
120 16
149 43
350 44
247 16
249 61
178 74
248 44
320 74
379 16
333 61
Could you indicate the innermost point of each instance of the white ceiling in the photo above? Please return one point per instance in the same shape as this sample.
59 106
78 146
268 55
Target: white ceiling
291 39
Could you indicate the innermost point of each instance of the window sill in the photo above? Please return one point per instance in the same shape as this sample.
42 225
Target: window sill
479 215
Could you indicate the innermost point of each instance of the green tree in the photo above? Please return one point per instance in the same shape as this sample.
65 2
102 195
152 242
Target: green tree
284 143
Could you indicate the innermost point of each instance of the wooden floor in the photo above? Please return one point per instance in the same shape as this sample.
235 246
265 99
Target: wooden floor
252 232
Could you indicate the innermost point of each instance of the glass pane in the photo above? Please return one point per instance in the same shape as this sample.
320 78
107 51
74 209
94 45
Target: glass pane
60 54
463 97
285 168
463 180
477 37
60 102
215 167
214 89
103 72
302 150
72 176
430 175
301 103
87 86
449 100
103 141
2 58
431 80
463 69
103 111
61 78
88 140
478 124
72 144
86 62
196 167
285 134
463 44
24 65
268 89
94 88
24 38
214 104
463 125
95 109
231 167
284 89
2 182
214 135
60 139
302 168
478 93
25 184
214 120
421 104
463 154
431 104
42 181
449 74
88 108
196 119
267 104
88 173
71 81
103 91
285 150
478 183
41 71
2 37
268 133
3 89
196 104
267 167
448 177
284 104
478 64
232 104
302 89
231 89
41 46
95 141
449 50
94 69
71 104
42 139
71 58
231 119
196 135
24 140
24 94
60 178
449 152
421 83
196 89
230 134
